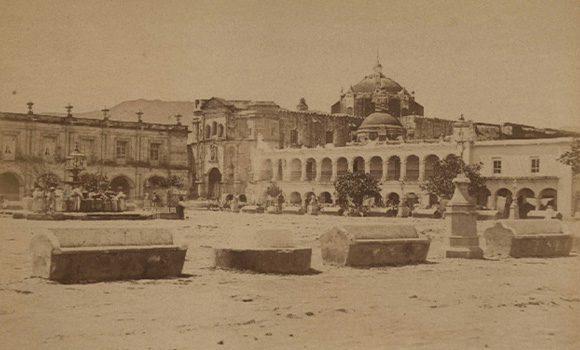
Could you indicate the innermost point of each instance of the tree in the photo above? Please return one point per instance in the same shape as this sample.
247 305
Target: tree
356 187
94 182
273 190
444 171
572 157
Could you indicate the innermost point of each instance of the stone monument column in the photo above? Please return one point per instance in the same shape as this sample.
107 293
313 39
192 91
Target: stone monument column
461 221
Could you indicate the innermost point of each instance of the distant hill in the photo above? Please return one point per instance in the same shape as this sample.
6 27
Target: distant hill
572 128
154 111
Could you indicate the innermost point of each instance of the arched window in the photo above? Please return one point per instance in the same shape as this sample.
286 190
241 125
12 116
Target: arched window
207 131
220 130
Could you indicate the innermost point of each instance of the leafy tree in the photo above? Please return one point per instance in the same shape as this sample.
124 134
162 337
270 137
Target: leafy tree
572 157
94 182
444 171
273 190
165 182
356 187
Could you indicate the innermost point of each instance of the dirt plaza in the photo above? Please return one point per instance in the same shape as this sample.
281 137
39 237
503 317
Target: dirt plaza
444 304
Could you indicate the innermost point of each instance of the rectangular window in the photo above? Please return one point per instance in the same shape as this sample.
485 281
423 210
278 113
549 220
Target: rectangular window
9 148
294 137
329 137
154 151
122 149
497 166
535 165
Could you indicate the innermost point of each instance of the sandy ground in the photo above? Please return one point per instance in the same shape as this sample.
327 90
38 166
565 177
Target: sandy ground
444 304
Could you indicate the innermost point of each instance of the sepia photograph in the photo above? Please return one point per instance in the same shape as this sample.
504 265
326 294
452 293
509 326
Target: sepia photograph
309 174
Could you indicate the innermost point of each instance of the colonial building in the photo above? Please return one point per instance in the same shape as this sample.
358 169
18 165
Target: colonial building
524 168
226 133
129 153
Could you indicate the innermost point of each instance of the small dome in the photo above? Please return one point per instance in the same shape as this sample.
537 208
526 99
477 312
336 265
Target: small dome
378 119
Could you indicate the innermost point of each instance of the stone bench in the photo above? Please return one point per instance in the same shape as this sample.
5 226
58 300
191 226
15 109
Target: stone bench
431 213
373 245
331 211
293 210
252 209
541 214
528 238
270 251
488 214
376 212
74 255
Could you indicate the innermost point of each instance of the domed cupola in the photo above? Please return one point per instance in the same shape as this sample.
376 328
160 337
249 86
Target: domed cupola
380 125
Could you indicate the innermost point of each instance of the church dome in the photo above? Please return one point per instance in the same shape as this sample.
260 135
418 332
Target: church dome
379 119
369 84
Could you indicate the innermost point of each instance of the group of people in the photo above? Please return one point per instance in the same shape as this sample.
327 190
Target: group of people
57 199
152 203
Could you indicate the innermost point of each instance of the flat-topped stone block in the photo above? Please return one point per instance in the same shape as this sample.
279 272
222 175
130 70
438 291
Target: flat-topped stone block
252 209
376 212
72 255
528 238
269 251
431 213
373 245
488 214
544 214
331 211
293 210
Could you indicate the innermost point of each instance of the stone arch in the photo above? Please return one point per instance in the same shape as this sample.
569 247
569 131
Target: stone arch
310 169
295 198
341 166
266 170
412 168
295 169
482 197
125 184
392 198
242 198
308 196
430 162
358 165
548 197
394 168
503 199
526 193
325 198
11 186
326 169
376 165
214 179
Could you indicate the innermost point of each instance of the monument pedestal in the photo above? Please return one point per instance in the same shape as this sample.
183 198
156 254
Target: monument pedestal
461 218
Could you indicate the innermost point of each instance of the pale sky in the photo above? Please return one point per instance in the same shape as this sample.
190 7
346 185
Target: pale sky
493 61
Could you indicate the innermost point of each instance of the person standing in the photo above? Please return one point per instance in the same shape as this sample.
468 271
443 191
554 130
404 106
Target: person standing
147 202
51 200
155 202
180 209
121 198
